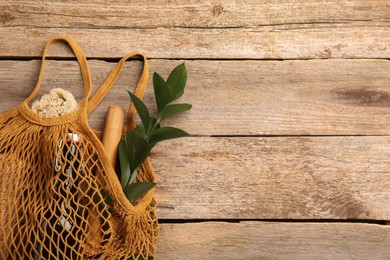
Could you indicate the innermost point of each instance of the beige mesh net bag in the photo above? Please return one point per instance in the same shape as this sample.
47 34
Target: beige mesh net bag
60 196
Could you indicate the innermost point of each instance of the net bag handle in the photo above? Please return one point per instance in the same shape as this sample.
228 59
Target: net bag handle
78 52
112 78
139 92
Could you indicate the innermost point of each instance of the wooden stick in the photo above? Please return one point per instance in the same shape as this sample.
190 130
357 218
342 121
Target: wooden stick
110 140
113 131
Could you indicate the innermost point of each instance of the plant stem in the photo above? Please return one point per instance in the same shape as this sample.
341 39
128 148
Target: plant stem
151 130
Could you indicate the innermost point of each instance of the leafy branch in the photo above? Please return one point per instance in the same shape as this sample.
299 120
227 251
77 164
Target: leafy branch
137 143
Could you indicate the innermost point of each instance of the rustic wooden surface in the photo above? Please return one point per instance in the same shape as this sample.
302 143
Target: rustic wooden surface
274 178
290 118
263 240
310 97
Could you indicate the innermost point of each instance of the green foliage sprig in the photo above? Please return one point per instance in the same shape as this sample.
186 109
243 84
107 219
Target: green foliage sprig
138 142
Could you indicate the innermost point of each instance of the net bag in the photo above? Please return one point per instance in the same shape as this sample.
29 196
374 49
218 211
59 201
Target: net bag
60 197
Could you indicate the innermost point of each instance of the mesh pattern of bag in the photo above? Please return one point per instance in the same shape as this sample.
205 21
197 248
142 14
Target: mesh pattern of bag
60 197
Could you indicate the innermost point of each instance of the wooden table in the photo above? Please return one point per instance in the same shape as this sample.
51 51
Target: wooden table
290 146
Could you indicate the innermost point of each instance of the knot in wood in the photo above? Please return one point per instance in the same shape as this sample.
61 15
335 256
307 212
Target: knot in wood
6 17
217 10
365 97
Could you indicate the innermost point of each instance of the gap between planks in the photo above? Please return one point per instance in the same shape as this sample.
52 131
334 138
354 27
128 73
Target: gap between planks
116 59
357 221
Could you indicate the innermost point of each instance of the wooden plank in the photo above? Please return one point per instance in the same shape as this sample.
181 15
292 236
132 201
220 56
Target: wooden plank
194 13
360 40
321 97
274 178
262 240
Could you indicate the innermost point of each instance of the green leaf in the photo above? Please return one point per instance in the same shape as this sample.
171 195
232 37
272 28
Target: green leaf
161 91
172 110
124 162
141 109
177 81
166 133
140 129
136 190
138 149
132 177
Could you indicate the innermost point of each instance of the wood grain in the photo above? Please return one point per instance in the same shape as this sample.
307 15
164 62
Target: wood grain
296 41
123 14
317 97
274 178
251 155
262 240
